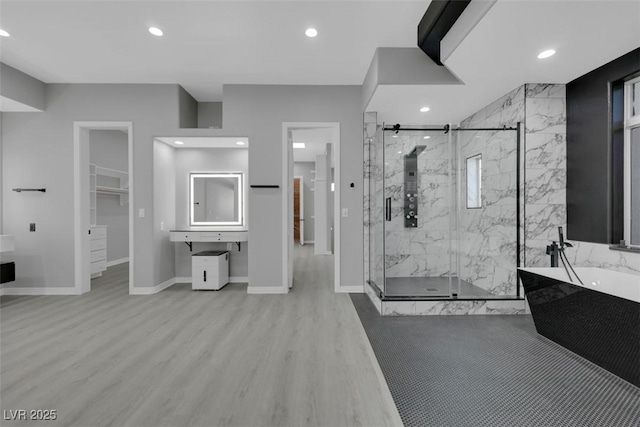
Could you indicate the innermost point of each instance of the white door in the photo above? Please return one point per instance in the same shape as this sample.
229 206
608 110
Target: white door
301 213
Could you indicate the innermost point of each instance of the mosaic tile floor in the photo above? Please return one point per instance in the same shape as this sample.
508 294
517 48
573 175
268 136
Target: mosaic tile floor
491 371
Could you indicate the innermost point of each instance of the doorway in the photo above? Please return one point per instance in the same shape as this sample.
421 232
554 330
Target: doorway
103 200
311 155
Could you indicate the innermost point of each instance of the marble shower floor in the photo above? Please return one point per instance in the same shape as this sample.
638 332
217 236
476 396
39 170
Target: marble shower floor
429 287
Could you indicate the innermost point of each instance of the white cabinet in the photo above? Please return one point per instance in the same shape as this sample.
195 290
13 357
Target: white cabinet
98 245
210 270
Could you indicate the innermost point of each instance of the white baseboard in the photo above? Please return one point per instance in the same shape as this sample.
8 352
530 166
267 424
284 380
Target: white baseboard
309 242
255 290
355 289
117 261
232 279
153 289
38 291
323 253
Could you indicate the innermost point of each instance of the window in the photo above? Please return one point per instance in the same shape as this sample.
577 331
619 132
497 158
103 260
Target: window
474 182
632 163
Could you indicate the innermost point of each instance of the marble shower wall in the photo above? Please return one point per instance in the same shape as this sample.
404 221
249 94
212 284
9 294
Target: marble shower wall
373 200
422 251
487 235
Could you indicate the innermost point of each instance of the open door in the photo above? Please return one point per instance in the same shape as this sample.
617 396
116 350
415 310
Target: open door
298 209
301 208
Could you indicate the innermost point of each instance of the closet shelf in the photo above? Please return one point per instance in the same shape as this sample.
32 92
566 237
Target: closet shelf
111 190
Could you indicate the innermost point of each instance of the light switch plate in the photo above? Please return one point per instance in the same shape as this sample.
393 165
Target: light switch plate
141 212
345 212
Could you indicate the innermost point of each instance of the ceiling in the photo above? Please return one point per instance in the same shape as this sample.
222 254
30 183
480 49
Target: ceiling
208 43
500 54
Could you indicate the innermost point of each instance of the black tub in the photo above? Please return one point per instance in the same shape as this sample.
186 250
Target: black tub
599 321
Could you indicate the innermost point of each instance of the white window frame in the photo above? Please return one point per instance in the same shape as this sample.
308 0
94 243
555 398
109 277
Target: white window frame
630 122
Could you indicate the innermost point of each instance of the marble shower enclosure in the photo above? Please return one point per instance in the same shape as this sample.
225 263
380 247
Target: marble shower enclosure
541 109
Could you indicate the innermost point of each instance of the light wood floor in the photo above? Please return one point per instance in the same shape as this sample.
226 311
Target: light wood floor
184 358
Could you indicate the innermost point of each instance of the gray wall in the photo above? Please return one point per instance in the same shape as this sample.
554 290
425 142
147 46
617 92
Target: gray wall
21 87
108 149
258 112
188 107
304 169
210 115
207 160
38 152
164 209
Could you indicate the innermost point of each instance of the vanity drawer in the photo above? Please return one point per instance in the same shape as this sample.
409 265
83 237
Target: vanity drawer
184 236
98 266
99 255
223 236
98 244
98 232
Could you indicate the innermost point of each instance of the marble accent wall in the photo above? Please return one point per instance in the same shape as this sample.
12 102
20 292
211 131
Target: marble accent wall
422 251
586 254
545 169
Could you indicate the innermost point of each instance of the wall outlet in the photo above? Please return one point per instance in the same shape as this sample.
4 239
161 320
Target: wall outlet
141 212
32 226
161 226
345 212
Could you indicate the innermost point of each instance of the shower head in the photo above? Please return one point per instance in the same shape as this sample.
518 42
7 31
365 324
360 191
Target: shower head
417 150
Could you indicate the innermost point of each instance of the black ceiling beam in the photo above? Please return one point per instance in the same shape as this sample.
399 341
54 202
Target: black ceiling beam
436 23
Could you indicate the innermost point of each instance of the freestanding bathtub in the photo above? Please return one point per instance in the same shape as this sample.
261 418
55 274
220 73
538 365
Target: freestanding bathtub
599 321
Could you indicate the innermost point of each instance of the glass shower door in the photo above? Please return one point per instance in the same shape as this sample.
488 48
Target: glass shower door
487 232
417 210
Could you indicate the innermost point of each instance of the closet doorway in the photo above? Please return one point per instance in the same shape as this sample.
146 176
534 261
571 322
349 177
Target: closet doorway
103 203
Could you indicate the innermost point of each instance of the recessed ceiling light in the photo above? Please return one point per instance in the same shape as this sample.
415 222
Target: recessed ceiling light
3 33
546 54
179 142
399 152
427 137
395 135
311 32
298 145
424 109
156 31
240 143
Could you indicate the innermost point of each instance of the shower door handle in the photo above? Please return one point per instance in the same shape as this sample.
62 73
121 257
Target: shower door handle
387 209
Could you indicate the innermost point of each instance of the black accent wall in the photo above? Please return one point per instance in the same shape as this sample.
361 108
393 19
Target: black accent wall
594 151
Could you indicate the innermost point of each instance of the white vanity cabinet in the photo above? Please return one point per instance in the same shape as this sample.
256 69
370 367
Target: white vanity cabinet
98 245
210 270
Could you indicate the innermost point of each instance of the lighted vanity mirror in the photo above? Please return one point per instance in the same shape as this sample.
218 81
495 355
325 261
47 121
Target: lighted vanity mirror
216 199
